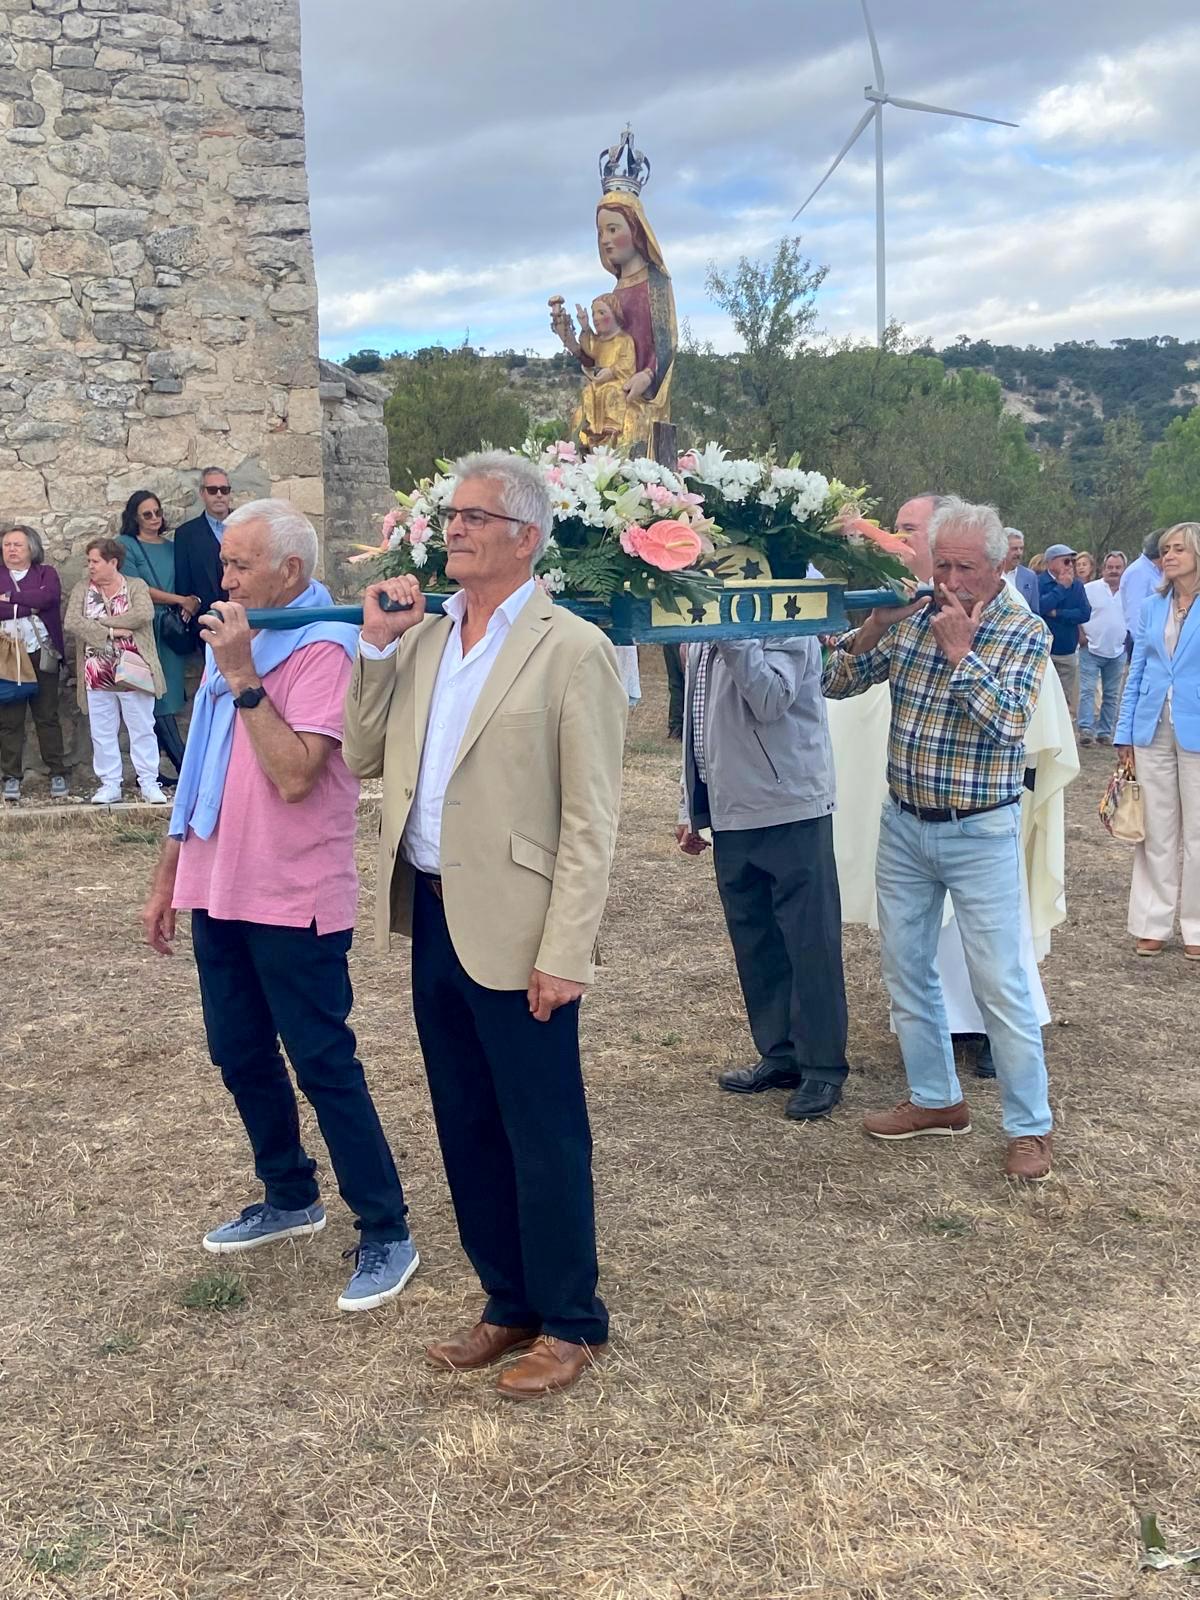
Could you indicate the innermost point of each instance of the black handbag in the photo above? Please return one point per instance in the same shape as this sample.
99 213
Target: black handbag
175 633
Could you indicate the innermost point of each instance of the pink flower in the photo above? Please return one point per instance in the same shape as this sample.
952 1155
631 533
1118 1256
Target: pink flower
554 474
669 546
418 530
689 499
659 495
566 451
687 462
390 521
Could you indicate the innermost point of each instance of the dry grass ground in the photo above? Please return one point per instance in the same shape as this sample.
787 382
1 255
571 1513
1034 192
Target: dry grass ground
838 1370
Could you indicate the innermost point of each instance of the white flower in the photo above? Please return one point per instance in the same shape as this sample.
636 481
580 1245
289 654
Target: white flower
419 555
710 463
554 579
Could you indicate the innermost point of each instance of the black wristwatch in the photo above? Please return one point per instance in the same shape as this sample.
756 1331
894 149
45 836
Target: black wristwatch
249 698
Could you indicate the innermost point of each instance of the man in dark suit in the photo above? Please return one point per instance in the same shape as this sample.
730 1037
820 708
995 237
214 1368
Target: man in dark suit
198 543
1018 576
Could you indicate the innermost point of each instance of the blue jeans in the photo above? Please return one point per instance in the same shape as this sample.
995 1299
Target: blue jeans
1110 672
978 861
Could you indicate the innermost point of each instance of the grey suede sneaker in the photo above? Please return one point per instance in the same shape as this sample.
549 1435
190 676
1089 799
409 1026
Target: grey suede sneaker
382 1268
261 1224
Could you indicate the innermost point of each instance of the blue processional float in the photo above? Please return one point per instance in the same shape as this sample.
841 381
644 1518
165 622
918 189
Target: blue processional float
654 546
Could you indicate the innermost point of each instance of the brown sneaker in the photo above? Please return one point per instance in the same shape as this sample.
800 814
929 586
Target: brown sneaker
1028 1159
907 1121
551 1366
479 1346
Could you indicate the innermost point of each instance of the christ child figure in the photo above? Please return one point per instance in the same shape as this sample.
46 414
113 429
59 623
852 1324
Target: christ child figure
604 408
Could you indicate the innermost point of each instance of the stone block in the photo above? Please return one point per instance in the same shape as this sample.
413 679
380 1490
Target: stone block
8 199
281 258
269 183
96 194
65 253
168 386
292 455
234 22
39 455
223 330
259 91
187 52
212 421
28 114
20 172
286 61
37 26
225 299
271 152
22 491
306 494
110 60
124 328
86 80
73 55
84 162
28 322
135 161
304 411
163 441
178 363
72 127
32 56
55 8
150 86
176 247
36 430
105 427
139 28
157 299
120 223
109 294
76 26
15 84
128 256
25 136
27 293
293 298
167 405
24 249
119 371
286 124
277 220
57 400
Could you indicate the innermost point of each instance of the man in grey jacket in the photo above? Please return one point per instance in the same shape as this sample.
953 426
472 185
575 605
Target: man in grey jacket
758 772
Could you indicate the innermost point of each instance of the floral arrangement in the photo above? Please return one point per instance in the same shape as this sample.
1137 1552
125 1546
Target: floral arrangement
626 524
620 523
796 518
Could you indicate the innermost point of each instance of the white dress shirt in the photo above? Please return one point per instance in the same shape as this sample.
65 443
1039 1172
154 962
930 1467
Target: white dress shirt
1010 579
1138 579
458 685
1105 628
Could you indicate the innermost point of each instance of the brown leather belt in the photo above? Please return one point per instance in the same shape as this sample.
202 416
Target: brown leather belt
433 884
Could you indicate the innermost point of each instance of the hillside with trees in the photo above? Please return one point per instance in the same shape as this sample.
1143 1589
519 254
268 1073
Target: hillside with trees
1087 443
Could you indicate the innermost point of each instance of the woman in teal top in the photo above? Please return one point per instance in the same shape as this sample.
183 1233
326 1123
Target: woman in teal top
150 555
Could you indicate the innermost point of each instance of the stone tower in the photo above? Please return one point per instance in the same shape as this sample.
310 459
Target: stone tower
158 303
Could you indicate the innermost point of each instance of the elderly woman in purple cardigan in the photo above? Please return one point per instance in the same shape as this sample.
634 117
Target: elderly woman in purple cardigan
31 608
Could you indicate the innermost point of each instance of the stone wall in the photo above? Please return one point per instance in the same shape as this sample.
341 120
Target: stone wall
358 492
158 302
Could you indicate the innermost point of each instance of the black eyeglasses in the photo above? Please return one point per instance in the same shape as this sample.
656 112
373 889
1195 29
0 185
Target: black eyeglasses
474 517
216 488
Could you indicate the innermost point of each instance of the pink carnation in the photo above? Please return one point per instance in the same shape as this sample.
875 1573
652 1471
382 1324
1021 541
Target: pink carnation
687 462
669 546
390 521
418 530
659 495
566 451
554 475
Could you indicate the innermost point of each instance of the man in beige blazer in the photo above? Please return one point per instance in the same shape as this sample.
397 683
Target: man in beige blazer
498 730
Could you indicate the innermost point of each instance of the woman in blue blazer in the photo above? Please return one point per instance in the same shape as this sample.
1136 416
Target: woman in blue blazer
1158 731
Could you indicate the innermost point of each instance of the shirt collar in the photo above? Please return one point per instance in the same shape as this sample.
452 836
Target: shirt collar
508 610
217 527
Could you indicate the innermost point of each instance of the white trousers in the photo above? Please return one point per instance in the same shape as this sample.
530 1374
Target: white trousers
105 711
1166 869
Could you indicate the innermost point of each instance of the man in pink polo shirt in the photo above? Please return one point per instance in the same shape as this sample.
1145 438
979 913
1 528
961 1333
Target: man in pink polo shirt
261 852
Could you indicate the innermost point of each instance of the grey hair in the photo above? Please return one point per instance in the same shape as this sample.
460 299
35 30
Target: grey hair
37 550
208 472
1151 543
289 532
523 492
963 517
1014 533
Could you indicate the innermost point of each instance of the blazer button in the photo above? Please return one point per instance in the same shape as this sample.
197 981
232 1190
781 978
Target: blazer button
408 794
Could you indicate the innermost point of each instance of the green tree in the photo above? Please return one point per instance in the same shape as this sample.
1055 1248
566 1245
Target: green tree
1173 477
1119 506
444 404
363 361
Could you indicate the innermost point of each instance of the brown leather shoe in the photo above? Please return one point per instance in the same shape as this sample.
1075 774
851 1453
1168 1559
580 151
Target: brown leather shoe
1028 1159
907 1121
551 1366
479 1346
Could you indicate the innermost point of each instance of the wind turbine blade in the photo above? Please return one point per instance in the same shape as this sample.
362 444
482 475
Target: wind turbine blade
875 56
859 128
943 111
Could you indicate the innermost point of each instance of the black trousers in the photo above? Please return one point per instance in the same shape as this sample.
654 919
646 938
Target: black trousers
674 688
512 1122
783 909
258 985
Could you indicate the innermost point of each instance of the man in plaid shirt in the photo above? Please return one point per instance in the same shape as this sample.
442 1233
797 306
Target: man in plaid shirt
965 671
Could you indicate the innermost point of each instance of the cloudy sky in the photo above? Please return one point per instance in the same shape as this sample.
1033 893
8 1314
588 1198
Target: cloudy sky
452 159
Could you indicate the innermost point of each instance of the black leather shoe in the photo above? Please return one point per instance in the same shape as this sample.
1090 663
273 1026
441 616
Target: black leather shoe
763 1075
812 1100
985 1067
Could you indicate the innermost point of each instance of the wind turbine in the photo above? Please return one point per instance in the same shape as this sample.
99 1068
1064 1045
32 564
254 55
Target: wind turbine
878 98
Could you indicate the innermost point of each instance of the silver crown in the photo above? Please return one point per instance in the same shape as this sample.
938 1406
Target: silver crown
622 167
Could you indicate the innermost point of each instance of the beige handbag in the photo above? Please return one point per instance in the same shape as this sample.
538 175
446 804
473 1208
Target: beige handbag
1121 809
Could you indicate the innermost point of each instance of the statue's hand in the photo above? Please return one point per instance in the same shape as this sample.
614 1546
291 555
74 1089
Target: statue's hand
638 384
604 375
581 312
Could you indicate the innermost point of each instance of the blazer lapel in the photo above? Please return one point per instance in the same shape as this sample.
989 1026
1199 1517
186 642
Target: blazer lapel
1187 633
430 646
526 633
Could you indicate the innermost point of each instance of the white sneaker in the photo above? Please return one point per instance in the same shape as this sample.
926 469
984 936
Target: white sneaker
58 788
107 795
12 788
153 796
